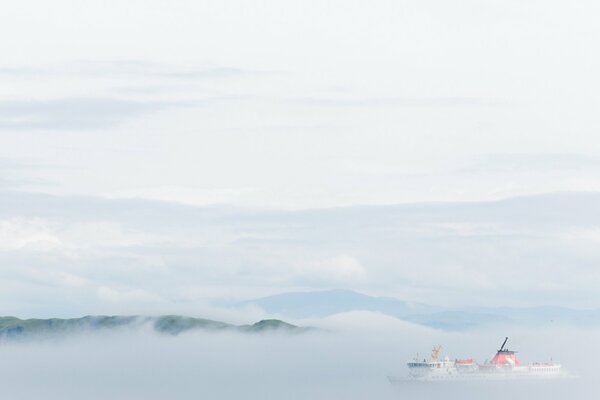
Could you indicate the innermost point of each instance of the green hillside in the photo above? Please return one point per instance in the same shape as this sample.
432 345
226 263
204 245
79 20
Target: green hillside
15 328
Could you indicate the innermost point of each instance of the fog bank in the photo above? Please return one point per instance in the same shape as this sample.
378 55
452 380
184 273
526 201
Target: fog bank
349 363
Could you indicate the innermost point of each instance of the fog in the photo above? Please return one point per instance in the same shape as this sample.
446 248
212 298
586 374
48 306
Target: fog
350 359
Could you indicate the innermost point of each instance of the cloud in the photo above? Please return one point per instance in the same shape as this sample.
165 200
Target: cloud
10 183
208 73
455 101
23 72
52 277
341 269
137 295
367 322
72 113
17 174
131 69
27 234
181 255
69 239
145 69
584 241
87 113
531 162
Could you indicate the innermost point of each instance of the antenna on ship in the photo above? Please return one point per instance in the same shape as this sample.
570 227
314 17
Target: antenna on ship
503 344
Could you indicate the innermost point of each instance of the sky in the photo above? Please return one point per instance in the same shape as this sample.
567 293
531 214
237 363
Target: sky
189 110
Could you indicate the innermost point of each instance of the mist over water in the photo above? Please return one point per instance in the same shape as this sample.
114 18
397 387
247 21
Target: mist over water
348 363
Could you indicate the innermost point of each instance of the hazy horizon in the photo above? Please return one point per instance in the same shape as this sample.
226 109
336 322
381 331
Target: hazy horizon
136 256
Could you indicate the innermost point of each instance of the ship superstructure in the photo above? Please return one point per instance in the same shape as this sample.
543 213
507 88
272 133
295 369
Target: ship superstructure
504 365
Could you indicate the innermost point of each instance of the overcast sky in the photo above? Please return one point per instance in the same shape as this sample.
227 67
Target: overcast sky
300 104
290 105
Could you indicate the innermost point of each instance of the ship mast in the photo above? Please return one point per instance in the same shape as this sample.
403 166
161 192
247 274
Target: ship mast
503 344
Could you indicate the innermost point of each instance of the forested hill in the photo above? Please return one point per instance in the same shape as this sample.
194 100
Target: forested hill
15 328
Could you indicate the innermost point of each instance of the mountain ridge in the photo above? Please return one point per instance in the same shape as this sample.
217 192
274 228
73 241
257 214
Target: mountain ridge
16 328
324 303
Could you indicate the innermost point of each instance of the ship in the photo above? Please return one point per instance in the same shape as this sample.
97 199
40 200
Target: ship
503 366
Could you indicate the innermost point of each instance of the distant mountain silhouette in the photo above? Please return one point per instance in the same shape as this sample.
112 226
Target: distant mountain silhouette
318 304
329 302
